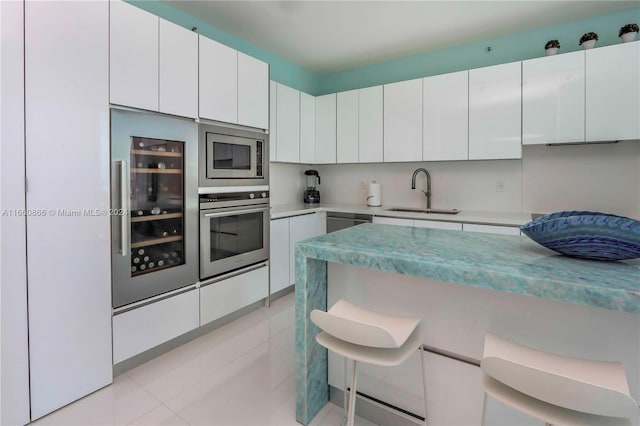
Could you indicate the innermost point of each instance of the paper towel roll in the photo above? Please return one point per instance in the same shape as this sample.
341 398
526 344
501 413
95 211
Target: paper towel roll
374 198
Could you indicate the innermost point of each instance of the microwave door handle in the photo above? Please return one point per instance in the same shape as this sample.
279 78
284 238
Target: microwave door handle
236 212
124 205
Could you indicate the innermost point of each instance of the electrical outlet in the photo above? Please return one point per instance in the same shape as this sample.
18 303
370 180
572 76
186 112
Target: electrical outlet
499 186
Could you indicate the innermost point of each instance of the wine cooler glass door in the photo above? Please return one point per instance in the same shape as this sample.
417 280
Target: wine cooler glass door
155 160
157 205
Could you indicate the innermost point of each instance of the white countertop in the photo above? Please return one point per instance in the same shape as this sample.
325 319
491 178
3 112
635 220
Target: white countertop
467 216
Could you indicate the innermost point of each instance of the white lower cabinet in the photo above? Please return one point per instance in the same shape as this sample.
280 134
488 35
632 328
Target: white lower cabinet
143 328
438 225
224 297
491 229
392 221
284 235
418 223
279 254
300 228
454 391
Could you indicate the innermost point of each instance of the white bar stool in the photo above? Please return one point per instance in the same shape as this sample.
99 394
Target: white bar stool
361 335
556 389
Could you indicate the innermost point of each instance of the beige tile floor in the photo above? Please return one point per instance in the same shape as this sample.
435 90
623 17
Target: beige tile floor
239 374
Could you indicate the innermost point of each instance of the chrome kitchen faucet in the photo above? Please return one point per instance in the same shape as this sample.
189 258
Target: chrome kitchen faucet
427 193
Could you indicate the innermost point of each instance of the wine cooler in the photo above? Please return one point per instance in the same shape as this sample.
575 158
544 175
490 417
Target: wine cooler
154 190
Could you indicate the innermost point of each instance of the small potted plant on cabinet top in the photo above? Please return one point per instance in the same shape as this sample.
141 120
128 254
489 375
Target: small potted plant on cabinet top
552 46
628 32
588 40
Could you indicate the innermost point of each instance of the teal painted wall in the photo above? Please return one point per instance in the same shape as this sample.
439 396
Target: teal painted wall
511 48
282 71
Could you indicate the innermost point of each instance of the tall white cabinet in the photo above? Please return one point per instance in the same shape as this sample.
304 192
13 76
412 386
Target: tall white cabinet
553 99
14 395
403 121
67 127
495 112
613 92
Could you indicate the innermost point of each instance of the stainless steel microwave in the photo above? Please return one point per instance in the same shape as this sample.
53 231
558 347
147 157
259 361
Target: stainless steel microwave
232 157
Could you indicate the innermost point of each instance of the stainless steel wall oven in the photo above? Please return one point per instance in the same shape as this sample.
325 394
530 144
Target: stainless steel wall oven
234 231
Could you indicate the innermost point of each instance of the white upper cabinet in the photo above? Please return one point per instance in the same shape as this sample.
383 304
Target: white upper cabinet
553 99
153 62
178 70
307 128
613 92
370 119
253 92
347 127
446 117
326 129
218 78
403 121
133 51
495 112
288 124
273 127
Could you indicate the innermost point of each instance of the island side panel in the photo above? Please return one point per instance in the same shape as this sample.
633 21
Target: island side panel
312 388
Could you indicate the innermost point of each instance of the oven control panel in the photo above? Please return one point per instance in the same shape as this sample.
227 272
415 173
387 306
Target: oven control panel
233 199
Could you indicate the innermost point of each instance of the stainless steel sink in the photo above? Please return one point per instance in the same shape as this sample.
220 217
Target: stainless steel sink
410 210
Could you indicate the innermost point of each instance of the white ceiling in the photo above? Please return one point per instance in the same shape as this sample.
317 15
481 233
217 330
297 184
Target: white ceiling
327 36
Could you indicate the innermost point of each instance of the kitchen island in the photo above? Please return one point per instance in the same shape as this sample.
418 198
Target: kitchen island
584 299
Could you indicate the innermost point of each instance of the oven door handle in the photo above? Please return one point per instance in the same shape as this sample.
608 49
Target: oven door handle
236 212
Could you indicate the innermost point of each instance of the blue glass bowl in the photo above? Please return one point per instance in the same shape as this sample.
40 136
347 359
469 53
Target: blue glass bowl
588 235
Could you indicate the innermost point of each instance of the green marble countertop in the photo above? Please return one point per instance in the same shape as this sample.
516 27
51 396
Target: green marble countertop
512 264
